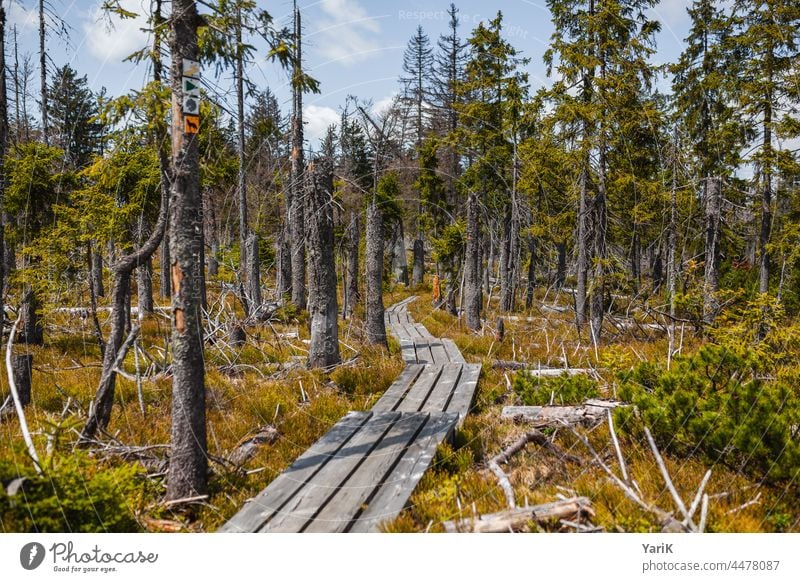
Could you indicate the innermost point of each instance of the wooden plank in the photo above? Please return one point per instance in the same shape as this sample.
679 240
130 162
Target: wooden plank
452 350
423 331
341 509
464 393
438 353
444 389
393 494
395 393
423 351
407 351
272 499
416 397
308 501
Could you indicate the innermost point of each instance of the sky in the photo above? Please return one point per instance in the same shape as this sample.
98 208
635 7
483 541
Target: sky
352 47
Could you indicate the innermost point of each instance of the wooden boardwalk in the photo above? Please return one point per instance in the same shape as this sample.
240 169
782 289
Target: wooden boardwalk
363 470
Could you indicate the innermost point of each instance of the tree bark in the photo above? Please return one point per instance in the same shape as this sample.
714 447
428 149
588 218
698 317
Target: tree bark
323 351
531 279
399 261
188 460
582 269
506 259
284 252
418 269
561 267
96 270
766 208
297 208
3 139
473 298
144 286
352 295
253 269
22 369
32 329
43 73
375 326
713 207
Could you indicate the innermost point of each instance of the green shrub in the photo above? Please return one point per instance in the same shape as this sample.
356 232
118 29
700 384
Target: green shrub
77 495
564 389
717 404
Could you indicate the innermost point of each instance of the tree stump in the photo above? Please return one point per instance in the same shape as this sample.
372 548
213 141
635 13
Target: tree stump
21 370
500 330
237 335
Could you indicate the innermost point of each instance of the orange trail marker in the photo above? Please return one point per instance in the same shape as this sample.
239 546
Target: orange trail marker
191 123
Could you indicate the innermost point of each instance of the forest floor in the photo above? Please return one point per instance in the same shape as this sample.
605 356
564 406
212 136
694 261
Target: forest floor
118 484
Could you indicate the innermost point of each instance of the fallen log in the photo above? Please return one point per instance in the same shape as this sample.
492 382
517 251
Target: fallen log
574 509
589 413
535 370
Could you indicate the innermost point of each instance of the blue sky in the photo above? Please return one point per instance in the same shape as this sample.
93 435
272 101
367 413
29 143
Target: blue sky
351 46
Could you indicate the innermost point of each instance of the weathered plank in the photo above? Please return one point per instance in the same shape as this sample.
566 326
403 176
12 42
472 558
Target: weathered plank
341 508
307 502
393 494
423 351
272 499
399 388
513 519
452 350
416 397
464 394
438 353
444 389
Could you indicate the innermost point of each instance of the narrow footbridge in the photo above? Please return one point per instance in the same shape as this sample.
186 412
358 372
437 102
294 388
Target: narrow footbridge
362 472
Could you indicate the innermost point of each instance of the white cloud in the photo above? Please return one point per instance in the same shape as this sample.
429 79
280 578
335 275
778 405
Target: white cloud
346 32
112 38
317 119
382 105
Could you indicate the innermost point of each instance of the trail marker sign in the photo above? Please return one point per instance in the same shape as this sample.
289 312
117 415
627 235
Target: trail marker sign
191 87
191 123
191 105
191 68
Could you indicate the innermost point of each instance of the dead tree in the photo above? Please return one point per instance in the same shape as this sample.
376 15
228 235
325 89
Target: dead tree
473 297
323 350
297 203
713 207
351 293
188 461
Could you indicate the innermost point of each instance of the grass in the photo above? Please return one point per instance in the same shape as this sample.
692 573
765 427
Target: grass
247 389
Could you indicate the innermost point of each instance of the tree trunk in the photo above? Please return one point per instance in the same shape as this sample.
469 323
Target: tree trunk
3 141
188 460
399 260
473 298
658 268
506 260
375 326
43 73
561 267
249 279
323 351
352 296
32 329
418 270
582 269
599 223
96 270
21 370
713 206
531 279
636 260
284 283
766 208
297 209
144 286
253 268
213 261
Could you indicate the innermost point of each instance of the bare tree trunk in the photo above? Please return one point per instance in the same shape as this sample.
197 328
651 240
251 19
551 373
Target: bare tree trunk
188 460
505 262
418 268
32 329
3 140
43 73
473 298
636 259
253 268
284 252
163 161
323 351
297 208
531 279
399 260
144 277
561 267
352 296
600 219
766 209
713 207
96 270
375 326
22 372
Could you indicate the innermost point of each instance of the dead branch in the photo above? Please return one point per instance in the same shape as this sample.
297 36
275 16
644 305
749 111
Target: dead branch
576 508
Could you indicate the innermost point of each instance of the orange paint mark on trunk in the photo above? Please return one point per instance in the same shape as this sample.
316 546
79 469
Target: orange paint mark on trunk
177 279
